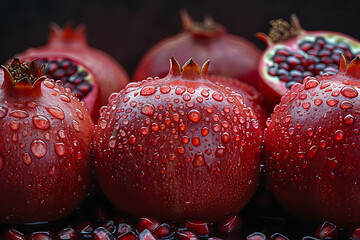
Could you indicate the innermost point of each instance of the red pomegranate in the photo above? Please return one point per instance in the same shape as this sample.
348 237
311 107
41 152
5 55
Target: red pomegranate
294 54
311 147
231 55
44 148
178 148
90 73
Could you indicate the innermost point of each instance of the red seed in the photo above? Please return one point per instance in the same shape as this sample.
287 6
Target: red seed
102 234
256 236
327 230
278 236
200 228
40 236
355 234
164 230
12 234
231 223
185 234
147 223
67 233
146 235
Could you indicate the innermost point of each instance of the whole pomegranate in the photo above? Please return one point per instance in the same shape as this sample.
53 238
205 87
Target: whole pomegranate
231 55
312 160
44 149
178 147
90 73
294 54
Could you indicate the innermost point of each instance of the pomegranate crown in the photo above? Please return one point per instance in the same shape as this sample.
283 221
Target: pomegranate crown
190 70
352 69
208 28
67 33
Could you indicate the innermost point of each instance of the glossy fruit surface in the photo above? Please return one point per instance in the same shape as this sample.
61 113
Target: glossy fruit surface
311 147
230 55
294 54
89 72
44 149
178 148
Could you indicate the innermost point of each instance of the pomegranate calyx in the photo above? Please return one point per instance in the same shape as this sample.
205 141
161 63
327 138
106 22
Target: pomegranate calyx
207 29
189 71
353 69
22 75
67 34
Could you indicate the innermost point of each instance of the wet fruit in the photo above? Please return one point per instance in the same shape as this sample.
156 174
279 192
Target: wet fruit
311 147
90 73
294 54
44 149
164 147
230 55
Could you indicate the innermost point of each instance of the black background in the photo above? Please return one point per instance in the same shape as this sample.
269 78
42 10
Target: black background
126 29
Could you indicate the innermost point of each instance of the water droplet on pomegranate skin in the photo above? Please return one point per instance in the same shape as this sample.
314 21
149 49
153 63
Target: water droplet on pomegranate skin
27 159
41 122
1 162
3 112
195 141
346 105
132 139
332 102
311 84
349 119
217 96
19 114
225 138
306 105
349 92
61 134
318 101
220 151
339 134
312 152
14 125
49 84
180 90
80 114
165 89
56 112
194 115
199 160
31 104
332 162
147 91
60 149
76 125
185 139
65 98
148 109
38 148
52 170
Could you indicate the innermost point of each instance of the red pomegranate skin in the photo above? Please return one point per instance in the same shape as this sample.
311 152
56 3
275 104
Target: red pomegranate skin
311 148
70 43
178 148
44 150
252 97
231 55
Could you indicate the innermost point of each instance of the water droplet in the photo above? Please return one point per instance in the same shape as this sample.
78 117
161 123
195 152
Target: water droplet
132 139
112 143
180 90
220 151
49 84
186 97
185 139
80 114
31 104
19 114
60 149
302 96
38 148
181 150
147 91
76 125
312 152
339 134
205 93
332 162
225 138
346 105
1 162
41 122
322 143
194 115
148 109
65 98
14 125
332 102
310 132
349 119
195 141
56 112
217 96
349 92
165 89
216 128
287 118
199 160
204 131
27 159
318 101
306 105
3 112
311 84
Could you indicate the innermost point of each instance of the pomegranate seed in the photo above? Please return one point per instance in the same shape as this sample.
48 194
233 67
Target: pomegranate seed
40 236
127 236
309 238
147 223
13 234
355 234
109 225
124 228
327 230
199 228
185 234
67 234
85 229
278 236
256 236
102 234
146 235
164 231
230 224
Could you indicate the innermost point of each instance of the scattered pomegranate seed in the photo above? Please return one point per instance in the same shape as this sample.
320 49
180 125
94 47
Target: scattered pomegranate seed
278 236
355 234
127 236
67 233
185 234
12 234
40 236
85 229
123 229
146 235
102 234
147 223
256 236
164 231
327 230
109 225
231 223
200 228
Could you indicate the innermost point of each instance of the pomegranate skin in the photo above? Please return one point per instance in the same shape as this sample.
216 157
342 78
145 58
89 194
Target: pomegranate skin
178 148
231 55
69 43
311 148
45 166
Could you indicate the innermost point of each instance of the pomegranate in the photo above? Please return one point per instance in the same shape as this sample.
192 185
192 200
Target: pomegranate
294 54
90 73
231 55
165 147
44 149
311 147
252 97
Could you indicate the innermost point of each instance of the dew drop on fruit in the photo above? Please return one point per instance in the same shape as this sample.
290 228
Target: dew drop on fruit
311 84
205 93
318 101
148 109
332 102
61 134
220 151
332 162
49 84
147 91
349 119
204 131
165 89
76 125
225 138
1 162
3 112
194 115
19 114
31 104
27 159
41 122
14 125
322 143
199 160
339 134
60 149
180 90
56 112
38 148
64 98
349 92
195 141
217 96
346 105
312 152
52 170
112 143
80 114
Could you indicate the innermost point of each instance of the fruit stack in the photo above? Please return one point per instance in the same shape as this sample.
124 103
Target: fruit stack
183 151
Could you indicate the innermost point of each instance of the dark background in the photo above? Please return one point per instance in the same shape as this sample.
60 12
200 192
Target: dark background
126 29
